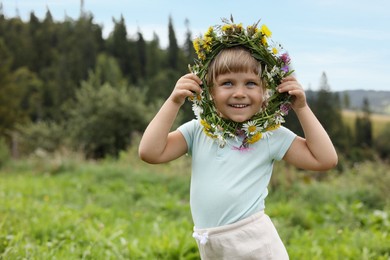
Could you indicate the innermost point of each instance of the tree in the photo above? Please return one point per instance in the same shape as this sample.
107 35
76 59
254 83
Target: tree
10 96
346 101
363 127
328 111
173 48
382 142
103 117
188 48
141 55
107 71
154 57
118 46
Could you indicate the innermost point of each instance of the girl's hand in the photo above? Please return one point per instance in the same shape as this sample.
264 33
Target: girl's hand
185 87
293 88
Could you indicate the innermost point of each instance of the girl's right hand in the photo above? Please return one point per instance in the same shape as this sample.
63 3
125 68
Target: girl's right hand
185 87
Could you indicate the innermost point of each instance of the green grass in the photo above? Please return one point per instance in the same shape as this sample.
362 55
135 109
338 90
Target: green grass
57 208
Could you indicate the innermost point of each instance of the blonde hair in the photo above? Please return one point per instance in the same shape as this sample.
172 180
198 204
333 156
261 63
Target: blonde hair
235 59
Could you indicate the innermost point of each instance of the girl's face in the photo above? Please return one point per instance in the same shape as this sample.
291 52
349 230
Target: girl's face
237 95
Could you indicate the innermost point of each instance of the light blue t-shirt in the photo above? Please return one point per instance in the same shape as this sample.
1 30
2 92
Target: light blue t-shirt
228 185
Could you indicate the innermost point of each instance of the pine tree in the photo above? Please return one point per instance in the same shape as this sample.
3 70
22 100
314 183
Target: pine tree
328 112
142 55
363 127
173 48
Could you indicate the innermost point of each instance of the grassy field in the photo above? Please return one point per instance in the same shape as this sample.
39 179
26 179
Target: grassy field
379 121
61 207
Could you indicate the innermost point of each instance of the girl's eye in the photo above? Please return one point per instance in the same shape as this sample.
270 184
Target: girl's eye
227 84
251 84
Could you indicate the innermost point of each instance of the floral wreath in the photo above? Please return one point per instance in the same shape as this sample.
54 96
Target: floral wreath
276 67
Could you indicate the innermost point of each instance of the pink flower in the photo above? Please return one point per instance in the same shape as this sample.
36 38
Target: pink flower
285 58
284 108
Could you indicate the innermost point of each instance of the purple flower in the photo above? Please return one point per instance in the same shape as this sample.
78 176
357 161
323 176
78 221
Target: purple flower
284 108
285 68
285 58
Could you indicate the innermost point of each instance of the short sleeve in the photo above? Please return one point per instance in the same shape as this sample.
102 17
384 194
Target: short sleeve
280 141
188 131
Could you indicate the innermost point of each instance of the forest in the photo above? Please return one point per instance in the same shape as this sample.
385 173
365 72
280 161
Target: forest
63 85
73 105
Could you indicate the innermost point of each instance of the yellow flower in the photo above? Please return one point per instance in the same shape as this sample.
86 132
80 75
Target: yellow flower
196 44
209 32
254 138
238 28
264 41
205 125
272 127
207 42
227 29
275 50
196 97
250 127
251 30
265 31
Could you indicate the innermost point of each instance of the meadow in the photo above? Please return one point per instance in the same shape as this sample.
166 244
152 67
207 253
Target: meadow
63 207
379 121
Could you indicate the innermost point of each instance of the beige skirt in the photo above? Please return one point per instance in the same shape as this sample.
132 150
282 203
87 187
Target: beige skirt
254 237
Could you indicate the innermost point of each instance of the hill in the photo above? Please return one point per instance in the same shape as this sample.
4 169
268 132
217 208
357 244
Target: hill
379 101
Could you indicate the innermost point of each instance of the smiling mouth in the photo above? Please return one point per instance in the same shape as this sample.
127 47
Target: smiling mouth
239 105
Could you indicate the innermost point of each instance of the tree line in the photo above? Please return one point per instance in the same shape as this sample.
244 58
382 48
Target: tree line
62 84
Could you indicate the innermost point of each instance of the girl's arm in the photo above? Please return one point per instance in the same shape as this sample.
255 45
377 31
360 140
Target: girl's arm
158 145
316 151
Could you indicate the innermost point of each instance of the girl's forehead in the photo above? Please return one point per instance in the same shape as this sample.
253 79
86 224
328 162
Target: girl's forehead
248 74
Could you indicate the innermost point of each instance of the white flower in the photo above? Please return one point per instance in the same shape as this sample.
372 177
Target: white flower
276 48
279 119
250 128
266 134
198 110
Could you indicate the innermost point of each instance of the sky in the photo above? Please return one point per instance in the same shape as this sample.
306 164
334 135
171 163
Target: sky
349 40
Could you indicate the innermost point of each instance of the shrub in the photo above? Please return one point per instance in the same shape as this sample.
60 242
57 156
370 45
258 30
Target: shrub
4 152
103 119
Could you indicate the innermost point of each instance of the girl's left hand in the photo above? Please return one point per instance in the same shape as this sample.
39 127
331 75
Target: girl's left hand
292 86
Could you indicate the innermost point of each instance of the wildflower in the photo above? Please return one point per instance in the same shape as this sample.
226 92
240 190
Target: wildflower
250 127
267 134
253 139
284 108
238 28
265 31
196 44
264 41
207 42
285 68
251 30
227 29
256 39
272 127
276 48
209 32
198 110
205 125
279 120
285 58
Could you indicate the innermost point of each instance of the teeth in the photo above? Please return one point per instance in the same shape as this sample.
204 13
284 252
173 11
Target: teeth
239 106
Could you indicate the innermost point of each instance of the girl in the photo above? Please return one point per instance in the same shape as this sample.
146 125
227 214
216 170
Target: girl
234 143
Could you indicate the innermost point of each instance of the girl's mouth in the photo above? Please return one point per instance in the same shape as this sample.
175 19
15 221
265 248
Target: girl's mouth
239 105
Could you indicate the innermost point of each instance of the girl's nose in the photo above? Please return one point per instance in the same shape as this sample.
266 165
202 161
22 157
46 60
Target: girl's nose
239 92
